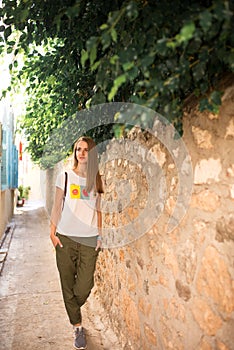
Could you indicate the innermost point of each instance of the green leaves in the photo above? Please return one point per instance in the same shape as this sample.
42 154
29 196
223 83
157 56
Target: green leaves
7 32
117 83
84 57
186 32
113 34
132 10
212 103
205 20
81 53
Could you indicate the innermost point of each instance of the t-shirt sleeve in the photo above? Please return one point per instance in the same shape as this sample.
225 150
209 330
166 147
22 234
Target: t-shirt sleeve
60 181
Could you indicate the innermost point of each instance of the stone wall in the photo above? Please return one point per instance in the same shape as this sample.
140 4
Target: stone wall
48 183
7 204
173 290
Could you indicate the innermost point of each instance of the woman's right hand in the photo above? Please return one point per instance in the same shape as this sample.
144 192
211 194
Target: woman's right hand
55 240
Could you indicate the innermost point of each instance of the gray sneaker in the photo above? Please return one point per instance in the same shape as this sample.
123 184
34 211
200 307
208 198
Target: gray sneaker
80 339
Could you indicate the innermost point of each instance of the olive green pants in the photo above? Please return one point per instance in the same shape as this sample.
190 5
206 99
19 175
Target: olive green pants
76 265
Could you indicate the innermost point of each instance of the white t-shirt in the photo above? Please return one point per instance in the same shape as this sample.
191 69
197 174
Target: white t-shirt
79 215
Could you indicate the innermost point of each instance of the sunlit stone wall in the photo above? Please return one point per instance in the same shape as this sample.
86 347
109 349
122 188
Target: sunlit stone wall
174 290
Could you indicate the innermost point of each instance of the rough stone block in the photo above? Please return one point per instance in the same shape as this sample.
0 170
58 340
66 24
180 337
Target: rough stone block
202 138
214 281
225 229
209 322
206 200
150 335
183 291
207 170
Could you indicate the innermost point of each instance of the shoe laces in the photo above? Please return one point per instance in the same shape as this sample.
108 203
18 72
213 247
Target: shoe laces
79 332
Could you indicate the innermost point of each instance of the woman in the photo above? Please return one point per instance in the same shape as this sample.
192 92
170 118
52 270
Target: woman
76 230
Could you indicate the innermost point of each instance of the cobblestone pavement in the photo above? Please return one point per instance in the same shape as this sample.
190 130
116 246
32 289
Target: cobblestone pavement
32 313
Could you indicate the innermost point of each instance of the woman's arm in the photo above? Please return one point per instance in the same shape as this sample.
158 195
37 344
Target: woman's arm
99 222
55 216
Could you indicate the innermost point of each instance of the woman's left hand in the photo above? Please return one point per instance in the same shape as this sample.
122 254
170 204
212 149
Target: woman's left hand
99 244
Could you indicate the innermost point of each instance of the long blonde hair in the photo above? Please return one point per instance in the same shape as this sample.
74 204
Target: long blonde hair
93 180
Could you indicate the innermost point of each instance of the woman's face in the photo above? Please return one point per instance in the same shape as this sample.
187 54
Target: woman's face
82 152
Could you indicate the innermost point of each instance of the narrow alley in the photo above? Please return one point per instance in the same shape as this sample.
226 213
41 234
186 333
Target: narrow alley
32 311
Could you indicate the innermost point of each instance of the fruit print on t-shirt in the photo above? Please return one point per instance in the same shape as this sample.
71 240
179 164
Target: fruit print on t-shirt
78 192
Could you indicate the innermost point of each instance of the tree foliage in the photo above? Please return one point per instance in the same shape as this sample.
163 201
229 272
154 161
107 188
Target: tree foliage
79 53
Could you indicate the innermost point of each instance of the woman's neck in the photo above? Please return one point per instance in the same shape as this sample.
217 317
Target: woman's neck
81 170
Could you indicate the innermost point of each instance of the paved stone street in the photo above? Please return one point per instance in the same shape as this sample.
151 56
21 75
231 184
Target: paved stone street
32 312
